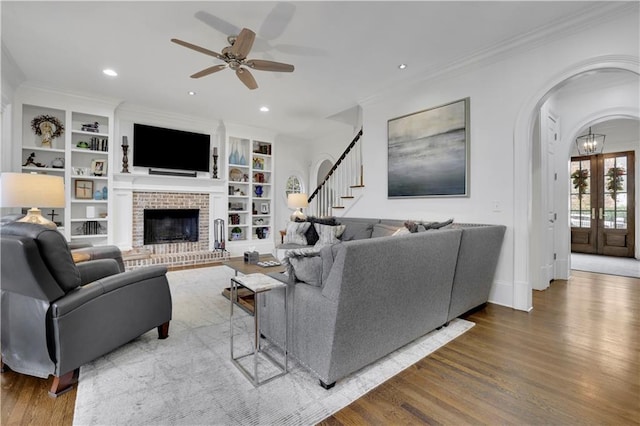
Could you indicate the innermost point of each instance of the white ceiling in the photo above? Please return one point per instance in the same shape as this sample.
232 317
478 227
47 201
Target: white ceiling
343 52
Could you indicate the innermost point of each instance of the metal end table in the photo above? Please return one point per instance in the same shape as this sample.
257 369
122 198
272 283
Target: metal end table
258 284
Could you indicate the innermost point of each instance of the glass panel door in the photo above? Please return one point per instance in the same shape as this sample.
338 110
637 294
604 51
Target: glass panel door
602 204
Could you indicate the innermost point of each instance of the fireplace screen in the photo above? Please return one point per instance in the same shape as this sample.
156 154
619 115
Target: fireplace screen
163 226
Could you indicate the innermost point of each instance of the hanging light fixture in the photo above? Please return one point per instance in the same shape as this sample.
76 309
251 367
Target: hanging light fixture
590 144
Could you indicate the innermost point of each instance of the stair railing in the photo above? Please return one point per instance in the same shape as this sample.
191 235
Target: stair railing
347 173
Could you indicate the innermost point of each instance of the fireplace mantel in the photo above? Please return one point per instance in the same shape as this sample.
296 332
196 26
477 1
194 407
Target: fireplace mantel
146 182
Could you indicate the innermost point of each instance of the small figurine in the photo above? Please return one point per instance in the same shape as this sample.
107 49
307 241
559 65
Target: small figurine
91 127
31 161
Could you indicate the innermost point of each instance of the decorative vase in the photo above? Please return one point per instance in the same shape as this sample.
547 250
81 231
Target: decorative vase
97 195
233 158
105 193
258 190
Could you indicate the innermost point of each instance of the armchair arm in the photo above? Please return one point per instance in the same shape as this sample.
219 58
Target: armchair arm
74 245
84 294
94 270
98 252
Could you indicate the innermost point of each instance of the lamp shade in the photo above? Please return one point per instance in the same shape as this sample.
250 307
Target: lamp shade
31 190
297 201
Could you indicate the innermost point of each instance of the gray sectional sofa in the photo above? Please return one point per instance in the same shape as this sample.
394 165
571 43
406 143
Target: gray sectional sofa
376 292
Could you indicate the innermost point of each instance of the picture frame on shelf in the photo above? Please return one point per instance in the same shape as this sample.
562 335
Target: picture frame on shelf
99 167
83 189
258 163
264 208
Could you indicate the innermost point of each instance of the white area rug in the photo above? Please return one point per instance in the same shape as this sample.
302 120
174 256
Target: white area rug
188 379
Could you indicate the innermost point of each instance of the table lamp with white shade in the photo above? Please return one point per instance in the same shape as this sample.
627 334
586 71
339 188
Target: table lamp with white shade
30 190
297 201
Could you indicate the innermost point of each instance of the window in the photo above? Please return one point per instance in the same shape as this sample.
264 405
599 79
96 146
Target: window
294 185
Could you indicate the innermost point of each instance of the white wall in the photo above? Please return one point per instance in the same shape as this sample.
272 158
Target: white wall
499 94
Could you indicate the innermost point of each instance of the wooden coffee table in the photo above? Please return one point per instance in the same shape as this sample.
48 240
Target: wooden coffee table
245 298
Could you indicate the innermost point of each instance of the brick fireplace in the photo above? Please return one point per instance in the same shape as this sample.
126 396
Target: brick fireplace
171 200
134 192
173 254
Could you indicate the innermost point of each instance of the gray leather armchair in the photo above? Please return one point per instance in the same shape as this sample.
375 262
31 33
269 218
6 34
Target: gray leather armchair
58 315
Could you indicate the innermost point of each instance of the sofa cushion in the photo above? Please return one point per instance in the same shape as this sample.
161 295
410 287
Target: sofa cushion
357 229
295 233
328 235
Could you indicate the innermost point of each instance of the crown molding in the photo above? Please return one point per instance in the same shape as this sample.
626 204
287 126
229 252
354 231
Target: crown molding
68 96
597 13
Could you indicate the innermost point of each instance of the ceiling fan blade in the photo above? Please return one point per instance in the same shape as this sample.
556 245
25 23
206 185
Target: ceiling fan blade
208 71
198 49
247 78
262 65
243 43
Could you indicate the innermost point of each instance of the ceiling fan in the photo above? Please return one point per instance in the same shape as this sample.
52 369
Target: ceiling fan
235 56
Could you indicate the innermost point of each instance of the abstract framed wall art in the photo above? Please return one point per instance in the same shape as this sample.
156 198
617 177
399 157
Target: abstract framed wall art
428 152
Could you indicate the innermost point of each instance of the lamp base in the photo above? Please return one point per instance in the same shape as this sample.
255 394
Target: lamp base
298 216
34 215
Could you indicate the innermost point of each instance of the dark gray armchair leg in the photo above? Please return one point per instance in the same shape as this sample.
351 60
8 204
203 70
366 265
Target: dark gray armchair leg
163 330
64 383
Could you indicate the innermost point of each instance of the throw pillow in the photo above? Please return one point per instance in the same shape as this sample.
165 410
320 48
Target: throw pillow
304 265
437 225
311 234
382 230
328 235
401 231
307 269
295 233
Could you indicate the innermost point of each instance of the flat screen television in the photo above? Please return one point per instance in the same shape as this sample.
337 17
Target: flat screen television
161 148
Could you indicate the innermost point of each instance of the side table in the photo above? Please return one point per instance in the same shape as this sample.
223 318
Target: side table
258 284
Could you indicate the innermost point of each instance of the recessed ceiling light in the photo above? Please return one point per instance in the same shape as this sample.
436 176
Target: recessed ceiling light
264 109
110 72
191 92
402 66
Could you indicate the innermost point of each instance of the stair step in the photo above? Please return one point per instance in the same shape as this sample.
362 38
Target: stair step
337 207
356 186
346 197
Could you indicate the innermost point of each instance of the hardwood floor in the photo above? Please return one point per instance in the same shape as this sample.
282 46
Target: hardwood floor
573 360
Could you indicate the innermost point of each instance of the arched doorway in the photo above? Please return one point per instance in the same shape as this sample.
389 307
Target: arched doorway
529 242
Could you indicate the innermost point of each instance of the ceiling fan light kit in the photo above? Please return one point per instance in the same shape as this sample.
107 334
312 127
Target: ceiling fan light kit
235 57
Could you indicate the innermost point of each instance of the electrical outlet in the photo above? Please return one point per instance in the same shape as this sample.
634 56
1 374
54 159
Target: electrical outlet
496 206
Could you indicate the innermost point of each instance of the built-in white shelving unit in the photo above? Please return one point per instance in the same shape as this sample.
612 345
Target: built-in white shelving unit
82 155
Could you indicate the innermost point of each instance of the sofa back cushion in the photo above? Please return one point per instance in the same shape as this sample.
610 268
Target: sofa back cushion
54 251
356 228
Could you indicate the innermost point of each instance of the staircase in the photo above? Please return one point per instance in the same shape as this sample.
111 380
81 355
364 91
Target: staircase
338 190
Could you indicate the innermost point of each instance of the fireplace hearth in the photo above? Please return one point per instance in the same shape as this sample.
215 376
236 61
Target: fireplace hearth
164 226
